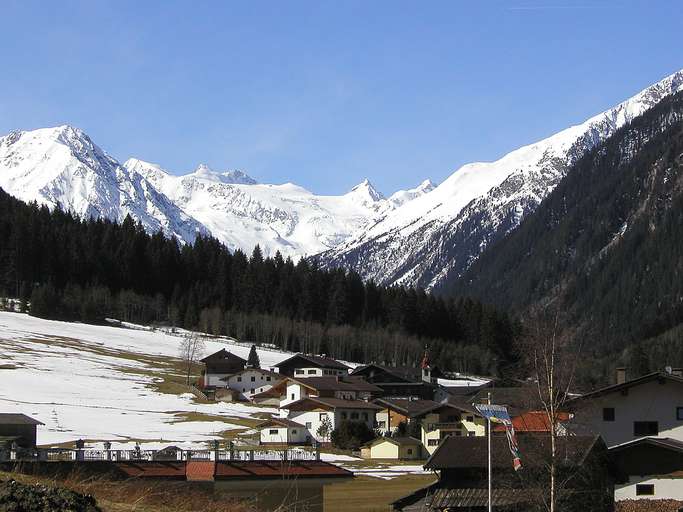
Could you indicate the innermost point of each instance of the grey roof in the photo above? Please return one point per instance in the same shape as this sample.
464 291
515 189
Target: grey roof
443 499
471 452
663 442
335 403
319 361
223 356
630 383
285 422
356 384
17 419
408 407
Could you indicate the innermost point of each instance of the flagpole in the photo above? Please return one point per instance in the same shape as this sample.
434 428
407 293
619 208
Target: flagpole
488 422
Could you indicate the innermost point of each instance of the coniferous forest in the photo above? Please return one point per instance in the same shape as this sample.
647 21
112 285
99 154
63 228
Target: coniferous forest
88 270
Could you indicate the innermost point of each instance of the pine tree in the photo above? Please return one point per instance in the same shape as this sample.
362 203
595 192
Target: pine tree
253 359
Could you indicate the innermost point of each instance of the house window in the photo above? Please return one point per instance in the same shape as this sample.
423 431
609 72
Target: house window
268 379
679 413
354 415
253 379
432 442
343 415
410 451
382 424
470 419
294 431
299 372
453 418
239 379
470 434
311 372
608 414
309 424
321 416
645 489
273 432
365 416
244 390
645 428
293 396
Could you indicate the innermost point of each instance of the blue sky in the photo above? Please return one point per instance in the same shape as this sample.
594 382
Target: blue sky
325 93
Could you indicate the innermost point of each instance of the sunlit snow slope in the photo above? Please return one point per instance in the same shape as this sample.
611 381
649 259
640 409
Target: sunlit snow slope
110 383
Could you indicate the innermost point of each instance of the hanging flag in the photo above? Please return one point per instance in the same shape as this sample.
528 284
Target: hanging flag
499 414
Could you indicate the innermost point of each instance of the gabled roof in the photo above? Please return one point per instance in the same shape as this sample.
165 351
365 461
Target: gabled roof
448 499
660 442
629 384
224 356
471 452
407 406
532 421
401 374
398 441
17 419
283 422
332 403
317 361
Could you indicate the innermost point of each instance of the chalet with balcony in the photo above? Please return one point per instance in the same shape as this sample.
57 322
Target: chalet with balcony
448 420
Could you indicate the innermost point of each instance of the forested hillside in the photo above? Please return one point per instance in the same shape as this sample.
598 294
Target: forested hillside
88 270
605 247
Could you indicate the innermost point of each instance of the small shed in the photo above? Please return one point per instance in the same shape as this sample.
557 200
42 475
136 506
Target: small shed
393 448
18 428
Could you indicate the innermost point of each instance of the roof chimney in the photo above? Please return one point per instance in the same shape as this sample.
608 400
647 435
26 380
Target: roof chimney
621 375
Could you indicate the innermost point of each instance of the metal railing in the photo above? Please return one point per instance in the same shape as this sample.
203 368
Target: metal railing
253 453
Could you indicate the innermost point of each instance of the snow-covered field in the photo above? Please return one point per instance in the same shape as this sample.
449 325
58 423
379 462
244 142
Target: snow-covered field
100 383
106 383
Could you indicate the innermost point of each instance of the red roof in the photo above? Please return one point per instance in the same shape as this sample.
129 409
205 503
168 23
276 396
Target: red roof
268 469
532 421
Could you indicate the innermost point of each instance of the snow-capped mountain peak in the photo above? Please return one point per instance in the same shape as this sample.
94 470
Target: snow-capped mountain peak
365 193
62 167
403 196
444 230
205 172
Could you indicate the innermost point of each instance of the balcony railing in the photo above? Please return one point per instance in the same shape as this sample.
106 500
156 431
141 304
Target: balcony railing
254 453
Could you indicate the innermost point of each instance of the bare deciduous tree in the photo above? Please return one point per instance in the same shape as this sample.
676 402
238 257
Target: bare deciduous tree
190 349
551 356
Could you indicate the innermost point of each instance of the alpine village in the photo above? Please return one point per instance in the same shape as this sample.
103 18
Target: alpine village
509 338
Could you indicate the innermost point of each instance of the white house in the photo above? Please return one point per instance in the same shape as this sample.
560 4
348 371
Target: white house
313 412
346 388
251 381
283 431
648 468
649 406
